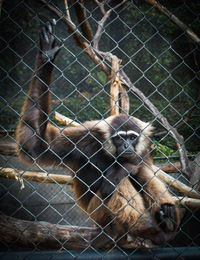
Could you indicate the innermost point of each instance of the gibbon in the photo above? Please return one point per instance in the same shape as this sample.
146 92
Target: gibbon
109 159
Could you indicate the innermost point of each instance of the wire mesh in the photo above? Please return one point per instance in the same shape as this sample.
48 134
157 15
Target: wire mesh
161 60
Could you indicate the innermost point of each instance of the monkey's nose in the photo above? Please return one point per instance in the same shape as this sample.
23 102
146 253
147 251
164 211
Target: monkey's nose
126 145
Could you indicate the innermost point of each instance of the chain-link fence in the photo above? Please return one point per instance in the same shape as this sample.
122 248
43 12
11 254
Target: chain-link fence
134 57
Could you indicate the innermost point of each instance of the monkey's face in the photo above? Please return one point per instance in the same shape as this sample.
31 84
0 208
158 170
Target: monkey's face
125 143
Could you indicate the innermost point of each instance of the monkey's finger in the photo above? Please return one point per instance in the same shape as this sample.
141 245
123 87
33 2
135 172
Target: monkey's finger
52 52
53 22
44 35
49 27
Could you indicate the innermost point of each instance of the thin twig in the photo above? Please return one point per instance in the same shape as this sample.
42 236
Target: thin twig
67 10
100 29
101 6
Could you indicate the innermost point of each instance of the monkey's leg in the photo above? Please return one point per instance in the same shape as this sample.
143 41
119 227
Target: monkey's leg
124 213
159 200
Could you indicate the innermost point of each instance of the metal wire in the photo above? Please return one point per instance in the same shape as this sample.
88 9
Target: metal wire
156 54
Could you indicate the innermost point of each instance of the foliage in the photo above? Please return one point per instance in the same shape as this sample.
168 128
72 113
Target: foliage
163 150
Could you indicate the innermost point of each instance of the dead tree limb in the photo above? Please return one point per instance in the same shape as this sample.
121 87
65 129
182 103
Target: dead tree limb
82 19
65 120
43 177
176 184
21 234
114 87
27 234
170 167
175 20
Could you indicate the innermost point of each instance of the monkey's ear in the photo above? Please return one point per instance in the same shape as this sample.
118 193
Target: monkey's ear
48 44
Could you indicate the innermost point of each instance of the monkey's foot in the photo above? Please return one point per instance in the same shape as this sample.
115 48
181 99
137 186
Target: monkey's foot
49 48
167 218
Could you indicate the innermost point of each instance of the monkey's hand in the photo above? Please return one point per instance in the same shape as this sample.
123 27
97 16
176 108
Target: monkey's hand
111 180
49 48
167 217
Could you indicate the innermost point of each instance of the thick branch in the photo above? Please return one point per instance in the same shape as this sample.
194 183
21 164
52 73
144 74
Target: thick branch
82 19
187 202
21 234
65 120
114 87
43 177
176 184
175 20
170 167
26 235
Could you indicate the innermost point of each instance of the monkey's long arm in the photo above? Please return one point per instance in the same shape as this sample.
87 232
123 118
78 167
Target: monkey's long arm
32 133
39 140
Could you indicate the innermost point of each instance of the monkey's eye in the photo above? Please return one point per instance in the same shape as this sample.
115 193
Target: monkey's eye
132 137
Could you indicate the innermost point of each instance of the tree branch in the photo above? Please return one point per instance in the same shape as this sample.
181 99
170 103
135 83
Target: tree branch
65 120
27 234
100 29
176 184
175 20
187 202
82 19
43 177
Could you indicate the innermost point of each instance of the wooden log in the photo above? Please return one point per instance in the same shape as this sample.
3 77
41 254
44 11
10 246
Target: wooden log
22 234
124 100
46 236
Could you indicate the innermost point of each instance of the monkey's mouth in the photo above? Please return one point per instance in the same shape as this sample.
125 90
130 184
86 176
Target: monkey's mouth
126 154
